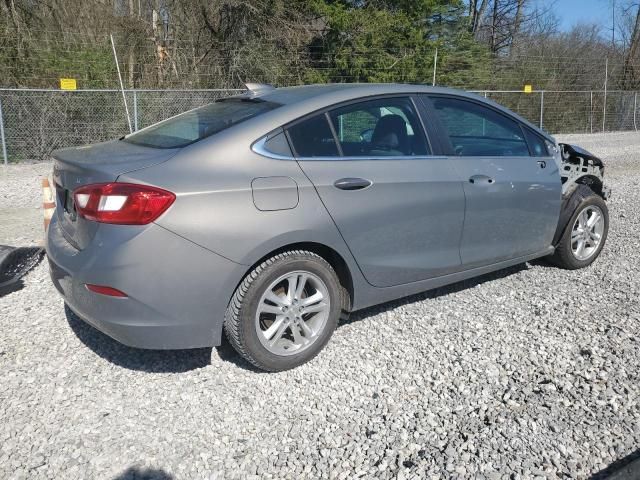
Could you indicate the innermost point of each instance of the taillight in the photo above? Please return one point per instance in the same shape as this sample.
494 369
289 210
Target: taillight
121 203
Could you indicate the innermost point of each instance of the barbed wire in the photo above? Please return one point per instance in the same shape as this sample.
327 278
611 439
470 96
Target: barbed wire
568 93
39 121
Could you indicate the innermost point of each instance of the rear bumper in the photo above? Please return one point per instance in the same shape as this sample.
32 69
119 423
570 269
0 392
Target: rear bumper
177 292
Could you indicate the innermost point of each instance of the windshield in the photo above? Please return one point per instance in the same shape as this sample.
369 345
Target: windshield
200 123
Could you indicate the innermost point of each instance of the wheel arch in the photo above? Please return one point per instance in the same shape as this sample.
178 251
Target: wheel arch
332 256
570 203
593 182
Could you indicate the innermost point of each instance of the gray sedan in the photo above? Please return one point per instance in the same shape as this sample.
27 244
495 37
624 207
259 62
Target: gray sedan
267 214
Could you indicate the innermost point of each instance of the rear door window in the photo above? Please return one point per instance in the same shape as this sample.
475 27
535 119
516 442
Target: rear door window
476 130
200 123
379 128
313 138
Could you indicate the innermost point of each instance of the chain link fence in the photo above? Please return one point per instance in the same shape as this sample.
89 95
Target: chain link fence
35 122
573 111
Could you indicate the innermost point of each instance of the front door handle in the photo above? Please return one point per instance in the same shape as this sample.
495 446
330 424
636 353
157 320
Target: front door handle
481 180
352 183
542 163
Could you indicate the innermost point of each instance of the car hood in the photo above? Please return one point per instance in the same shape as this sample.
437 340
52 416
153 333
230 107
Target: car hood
569 151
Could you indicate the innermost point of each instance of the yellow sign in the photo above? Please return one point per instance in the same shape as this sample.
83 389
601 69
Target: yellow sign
68 84
528 89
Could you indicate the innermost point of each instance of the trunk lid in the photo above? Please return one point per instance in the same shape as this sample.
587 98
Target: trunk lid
102 162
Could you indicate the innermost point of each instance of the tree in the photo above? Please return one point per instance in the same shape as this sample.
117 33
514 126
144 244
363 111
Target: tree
630 78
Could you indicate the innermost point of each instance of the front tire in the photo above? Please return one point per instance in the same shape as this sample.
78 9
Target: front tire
584 235
284 311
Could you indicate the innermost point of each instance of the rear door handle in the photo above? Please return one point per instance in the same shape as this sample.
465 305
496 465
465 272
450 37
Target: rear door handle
352 183
481 180
542 163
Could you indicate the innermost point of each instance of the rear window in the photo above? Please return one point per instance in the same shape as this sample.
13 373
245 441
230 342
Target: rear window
200 123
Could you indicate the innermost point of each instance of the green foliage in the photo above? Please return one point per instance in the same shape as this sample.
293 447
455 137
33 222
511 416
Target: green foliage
223 44
464 62
393 42
369 45
68 64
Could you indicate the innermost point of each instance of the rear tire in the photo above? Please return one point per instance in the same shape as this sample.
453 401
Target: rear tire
284 311
584 235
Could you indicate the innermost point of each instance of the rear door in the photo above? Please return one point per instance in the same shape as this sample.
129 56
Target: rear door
511 183
399 208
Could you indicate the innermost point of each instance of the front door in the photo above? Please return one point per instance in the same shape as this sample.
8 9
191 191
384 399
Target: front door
399 208
511 184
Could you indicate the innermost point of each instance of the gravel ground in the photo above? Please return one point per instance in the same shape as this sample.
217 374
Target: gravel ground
21 203
532 372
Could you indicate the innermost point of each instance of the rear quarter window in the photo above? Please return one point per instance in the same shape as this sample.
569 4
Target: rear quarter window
192 126
278 145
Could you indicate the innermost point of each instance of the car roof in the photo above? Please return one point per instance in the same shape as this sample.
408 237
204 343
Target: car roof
289 95
305 99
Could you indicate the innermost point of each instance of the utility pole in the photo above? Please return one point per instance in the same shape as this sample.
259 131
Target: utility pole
124 97
435 67
604 102
613 24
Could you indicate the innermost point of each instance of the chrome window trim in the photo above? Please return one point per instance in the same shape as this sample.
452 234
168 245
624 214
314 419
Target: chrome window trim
390 157
259 148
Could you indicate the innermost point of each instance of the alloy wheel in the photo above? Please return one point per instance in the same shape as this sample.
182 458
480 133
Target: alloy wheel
292 313
587 231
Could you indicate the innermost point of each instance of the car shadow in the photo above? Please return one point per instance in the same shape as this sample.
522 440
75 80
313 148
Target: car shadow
142 473
11 288
626 468
227 353
151 361
178 361
543 262
431 294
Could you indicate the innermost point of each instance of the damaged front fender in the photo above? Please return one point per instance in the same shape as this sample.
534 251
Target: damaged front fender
582 174
579 167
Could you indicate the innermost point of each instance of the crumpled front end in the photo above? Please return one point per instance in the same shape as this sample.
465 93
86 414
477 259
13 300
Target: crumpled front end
580 167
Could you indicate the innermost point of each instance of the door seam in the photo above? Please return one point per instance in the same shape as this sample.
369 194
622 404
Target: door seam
355 260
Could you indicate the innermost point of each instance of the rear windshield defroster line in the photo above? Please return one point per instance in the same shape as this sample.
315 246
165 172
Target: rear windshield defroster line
192 126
